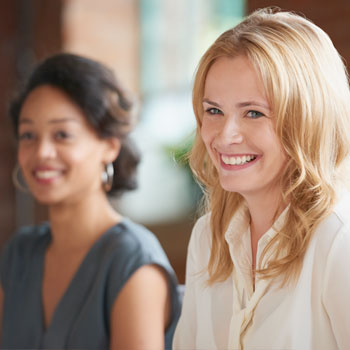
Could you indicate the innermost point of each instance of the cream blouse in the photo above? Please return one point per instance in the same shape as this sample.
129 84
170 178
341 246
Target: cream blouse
313 314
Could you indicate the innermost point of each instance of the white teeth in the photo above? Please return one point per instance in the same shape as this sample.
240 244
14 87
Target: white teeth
237 160
225 159
47 174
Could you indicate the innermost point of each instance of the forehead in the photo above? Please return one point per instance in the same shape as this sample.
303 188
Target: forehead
235 77
46 103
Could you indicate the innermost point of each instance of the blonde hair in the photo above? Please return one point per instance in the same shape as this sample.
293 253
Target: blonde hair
306 85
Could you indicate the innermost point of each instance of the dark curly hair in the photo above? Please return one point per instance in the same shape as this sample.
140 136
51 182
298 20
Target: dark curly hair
106 106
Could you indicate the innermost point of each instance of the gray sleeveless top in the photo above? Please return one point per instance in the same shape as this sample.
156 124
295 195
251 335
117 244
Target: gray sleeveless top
81 319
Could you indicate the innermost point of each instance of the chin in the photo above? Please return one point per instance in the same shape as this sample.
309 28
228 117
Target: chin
46 199
230 186
234 188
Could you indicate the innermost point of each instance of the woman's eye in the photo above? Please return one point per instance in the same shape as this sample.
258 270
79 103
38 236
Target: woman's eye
25 136
254 114
61 135
213 111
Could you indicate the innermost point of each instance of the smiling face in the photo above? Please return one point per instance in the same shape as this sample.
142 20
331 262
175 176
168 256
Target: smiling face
61 156
238 129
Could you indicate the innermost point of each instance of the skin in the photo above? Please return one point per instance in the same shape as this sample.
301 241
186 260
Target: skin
62 159
237 122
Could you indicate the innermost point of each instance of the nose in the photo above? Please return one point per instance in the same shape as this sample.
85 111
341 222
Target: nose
45 149
232 130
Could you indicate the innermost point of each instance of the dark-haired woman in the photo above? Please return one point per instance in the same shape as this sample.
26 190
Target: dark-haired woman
89 278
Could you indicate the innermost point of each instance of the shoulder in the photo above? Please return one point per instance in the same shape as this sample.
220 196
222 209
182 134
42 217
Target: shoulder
27 238
201 232
203 224
332 236
342 210
200 241
338 222
333 246
130 238
127 247
19 251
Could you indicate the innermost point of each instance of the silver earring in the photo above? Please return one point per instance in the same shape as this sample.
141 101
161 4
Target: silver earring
18 180
107 177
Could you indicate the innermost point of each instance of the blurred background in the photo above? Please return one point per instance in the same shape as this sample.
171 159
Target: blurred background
153 47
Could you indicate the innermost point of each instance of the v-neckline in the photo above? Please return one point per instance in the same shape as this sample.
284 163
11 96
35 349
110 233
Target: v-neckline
46 330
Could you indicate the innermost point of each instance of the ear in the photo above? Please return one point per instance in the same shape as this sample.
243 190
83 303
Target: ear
112 149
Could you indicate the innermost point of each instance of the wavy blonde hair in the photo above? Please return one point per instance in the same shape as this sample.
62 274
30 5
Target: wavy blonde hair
307 87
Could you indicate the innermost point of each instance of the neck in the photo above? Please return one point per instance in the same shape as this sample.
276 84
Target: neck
264 210
79 224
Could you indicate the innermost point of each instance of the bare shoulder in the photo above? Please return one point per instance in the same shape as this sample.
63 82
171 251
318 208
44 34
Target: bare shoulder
152 278
141 311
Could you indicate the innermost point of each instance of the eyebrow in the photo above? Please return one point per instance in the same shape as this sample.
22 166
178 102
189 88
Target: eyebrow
205 100
240 105
52 121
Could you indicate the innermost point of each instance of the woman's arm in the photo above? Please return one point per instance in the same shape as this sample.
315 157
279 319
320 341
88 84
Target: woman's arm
141 311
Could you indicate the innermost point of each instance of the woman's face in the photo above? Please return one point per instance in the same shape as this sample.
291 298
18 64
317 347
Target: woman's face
238 129
59 153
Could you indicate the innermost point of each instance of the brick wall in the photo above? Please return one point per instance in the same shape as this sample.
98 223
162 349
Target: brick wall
7 149
107 31
29 31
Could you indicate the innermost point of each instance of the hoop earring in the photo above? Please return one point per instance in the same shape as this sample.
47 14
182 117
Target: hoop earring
17 177
107 177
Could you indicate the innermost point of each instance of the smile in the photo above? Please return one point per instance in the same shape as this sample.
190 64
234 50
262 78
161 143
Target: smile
47 174
238 160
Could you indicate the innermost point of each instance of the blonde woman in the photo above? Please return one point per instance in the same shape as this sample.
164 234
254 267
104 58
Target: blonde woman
268 264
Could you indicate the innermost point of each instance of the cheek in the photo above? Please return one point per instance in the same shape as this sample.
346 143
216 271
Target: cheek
84 159
77 155
203 135
206 133
265 134
81 162
275 144
284 159
23 156
82 151
208 136
206 142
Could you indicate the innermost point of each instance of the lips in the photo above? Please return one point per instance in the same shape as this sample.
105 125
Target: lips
47 174
238 160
